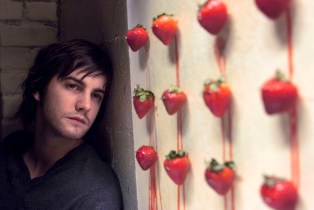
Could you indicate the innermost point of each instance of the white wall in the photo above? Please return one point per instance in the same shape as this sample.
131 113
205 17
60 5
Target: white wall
256 46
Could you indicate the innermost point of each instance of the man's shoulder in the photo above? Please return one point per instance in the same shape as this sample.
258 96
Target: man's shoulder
91 179
101 184
96 167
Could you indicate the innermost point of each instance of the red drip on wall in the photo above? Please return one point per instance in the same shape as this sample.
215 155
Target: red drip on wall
183 195
290 44
225 202
226 121
230 137
219 49
294 148
179 131
294 140
179 120
176 51
178 198
160 198
157 165
154 171
223 140
148 70
153 205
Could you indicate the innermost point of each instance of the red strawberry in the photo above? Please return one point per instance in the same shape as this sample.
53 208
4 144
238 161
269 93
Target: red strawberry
279 194
213 16
165 28
146 156
278 94
137 37
220 177
174 99
177 166
217 96
143 101
272 8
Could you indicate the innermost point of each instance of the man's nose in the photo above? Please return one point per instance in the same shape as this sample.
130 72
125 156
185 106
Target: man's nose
84 102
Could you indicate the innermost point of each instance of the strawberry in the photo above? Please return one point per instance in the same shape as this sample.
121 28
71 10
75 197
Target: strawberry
217 96
165 28
177 166
272 8
146 156
174 99
213 16
220 177
137 37
143 101
279 194
278 94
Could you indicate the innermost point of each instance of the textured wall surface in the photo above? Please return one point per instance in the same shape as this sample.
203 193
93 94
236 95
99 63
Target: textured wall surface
105 23
261 144
25 26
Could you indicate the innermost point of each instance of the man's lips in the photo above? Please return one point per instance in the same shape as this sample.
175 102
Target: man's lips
79 119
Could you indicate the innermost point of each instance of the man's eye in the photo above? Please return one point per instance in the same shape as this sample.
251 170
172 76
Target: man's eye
97 96
72 86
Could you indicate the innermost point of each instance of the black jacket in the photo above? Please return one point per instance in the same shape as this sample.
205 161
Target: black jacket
80 180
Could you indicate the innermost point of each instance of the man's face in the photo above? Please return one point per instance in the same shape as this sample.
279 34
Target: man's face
70 105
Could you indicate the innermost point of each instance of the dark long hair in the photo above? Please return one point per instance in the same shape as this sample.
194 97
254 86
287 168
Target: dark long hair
61 59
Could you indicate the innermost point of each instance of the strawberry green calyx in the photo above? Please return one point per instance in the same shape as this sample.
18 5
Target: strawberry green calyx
214 84
139 26
174 89
173 154
271 181
142 93
162 14
230 164
280 76
215 166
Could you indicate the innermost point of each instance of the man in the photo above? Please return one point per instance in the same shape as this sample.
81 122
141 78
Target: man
49 165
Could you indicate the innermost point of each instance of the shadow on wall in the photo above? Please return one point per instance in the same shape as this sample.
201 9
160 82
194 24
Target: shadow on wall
1 109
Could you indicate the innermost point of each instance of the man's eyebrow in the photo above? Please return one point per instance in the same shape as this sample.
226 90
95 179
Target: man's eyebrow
74 79
99 90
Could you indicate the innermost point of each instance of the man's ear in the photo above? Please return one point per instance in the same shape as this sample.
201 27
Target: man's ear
36 96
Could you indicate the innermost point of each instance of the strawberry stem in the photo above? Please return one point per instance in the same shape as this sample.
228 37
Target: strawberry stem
220 80
270 181
173 154
280 76
139 26
214 84
230 164
215 166
142 93
174 89
162 14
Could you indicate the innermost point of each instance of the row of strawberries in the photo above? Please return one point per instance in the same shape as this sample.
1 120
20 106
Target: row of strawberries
278 193
212 16
278 94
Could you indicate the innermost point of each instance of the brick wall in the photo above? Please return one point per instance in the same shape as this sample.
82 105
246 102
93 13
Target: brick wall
25 26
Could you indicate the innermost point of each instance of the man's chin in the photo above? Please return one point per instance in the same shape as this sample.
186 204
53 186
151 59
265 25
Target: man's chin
73 134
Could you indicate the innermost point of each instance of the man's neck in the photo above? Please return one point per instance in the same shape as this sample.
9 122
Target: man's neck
46 151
